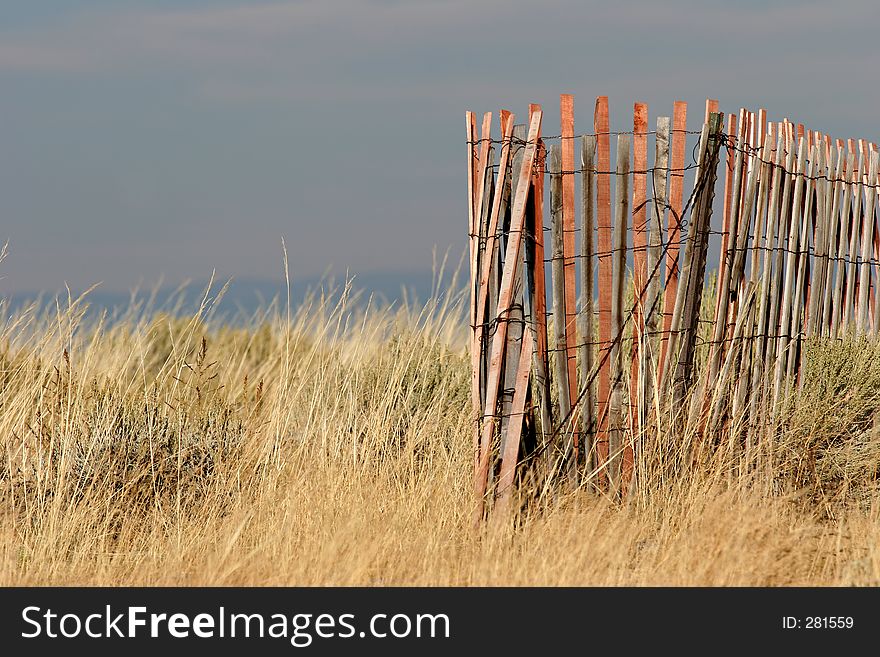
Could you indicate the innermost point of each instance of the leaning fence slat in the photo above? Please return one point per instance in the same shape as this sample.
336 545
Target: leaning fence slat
694 267
510 453
516 317
505 298
488 264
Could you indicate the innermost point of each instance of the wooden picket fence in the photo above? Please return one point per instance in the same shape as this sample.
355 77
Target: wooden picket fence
634 327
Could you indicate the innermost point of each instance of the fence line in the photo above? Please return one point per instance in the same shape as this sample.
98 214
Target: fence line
799 258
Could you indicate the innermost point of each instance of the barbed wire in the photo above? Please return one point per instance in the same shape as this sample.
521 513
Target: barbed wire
742 243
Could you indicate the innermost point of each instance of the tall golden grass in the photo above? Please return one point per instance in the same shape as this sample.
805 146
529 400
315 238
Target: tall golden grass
331 446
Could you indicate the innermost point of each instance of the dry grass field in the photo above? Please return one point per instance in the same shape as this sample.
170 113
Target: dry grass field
332 447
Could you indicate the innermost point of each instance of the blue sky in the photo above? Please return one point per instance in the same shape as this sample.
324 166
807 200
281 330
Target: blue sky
148 139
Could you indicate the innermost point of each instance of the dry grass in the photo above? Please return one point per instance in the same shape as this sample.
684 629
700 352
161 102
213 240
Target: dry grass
333 447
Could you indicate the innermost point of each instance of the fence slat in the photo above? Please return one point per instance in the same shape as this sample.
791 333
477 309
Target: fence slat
603 234
728 249
587 314
812 321
799 302
791 259
854 228
653 263
476 402
694 266
676 192
640 247
560 345
842 277
833 242
510 453
539 302
862 325
810 267
505 298
566 106
617 423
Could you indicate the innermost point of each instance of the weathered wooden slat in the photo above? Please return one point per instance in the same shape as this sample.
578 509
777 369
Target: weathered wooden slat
724 290
694 266
711 108
478 189
863 325
487 265
876 267
744 389
587 314
746 206
821 236
566 107
762 126
617 422
510 453
489 199
725 372
640 247
791 259
736 142
479 182
653 263
744 221
539 301
505 298
779 253
560 346
833 241
516 317
471 131
765 166
801 293
764 347
603 235
673 232
852 282
476 402
845 222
